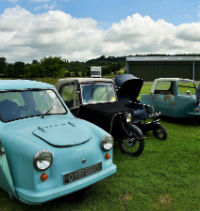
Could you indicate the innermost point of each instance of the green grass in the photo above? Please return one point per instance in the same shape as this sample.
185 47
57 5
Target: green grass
146 88
165 177
52 81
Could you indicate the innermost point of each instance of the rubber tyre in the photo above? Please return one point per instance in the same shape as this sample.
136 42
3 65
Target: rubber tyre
127 145
160 133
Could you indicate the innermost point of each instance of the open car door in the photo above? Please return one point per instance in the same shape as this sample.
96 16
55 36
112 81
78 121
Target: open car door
5 175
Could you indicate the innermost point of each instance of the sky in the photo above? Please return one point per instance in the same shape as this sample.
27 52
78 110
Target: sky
86 29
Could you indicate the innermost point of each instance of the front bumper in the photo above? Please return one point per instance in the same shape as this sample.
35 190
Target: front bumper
33 197
193 114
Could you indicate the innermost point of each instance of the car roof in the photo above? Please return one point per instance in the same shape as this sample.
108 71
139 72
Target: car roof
167 80
85 80
173 79
23 84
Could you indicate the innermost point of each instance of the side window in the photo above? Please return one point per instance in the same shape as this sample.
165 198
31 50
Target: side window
69 95
186 88
164 87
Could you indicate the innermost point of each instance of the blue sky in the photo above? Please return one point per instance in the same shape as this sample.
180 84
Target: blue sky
85 29
109 11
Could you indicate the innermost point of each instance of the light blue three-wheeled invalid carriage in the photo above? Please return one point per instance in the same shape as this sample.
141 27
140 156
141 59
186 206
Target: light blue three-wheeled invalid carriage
173 97
45 152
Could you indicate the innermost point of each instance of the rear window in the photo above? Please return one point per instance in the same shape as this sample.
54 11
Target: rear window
165 85
164 88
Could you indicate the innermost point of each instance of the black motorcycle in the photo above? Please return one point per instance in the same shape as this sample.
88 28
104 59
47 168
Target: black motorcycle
128 88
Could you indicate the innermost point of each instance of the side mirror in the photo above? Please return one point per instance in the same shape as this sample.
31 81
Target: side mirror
188 92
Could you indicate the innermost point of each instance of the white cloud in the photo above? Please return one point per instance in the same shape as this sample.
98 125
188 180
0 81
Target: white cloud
46 7
25 36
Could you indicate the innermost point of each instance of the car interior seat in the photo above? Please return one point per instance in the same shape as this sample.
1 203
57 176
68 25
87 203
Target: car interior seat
9 110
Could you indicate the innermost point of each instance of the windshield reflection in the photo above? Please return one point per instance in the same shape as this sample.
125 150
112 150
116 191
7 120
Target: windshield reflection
22 104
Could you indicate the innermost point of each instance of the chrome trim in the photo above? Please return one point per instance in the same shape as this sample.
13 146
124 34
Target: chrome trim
37 155
105 137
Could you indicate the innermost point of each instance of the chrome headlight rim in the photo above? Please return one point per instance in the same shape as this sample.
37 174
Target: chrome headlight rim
38 157
107 142
128 117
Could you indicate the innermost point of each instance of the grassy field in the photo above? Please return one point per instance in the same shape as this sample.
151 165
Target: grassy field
165 177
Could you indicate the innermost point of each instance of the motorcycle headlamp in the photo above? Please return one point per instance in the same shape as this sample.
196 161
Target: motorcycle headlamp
107 142
42 160
128 117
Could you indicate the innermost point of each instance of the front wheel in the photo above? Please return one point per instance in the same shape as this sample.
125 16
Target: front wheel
134 143
160 133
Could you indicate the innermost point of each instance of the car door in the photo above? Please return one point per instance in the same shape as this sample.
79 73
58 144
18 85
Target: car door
6 181
164 97
70 96
186 99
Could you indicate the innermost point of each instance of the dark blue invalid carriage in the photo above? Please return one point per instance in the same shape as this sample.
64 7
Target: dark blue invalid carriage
128 88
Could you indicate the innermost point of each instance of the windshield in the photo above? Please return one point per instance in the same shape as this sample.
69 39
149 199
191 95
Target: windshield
97 92
22 104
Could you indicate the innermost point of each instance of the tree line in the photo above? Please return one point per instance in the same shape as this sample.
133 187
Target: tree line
57 67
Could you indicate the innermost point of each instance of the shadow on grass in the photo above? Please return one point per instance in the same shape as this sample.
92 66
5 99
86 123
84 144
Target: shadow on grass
71 200
183 121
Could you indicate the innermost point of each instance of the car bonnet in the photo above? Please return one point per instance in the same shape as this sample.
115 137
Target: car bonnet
63 134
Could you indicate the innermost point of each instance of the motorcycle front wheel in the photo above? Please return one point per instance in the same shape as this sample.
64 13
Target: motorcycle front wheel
133 144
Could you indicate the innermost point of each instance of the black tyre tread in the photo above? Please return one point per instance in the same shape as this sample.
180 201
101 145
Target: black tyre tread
135 154
141 145
164 133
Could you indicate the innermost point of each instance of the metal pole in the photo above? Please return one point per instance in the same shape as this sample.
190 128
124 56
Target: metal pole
127 66
193 70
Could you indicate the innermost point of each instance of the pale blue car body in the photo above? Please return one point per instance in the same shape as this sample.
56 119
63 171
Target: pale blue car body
69 139
171 103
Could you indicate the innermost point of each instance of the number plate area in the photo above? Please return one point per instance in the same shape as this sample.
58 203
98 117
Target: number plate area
81 173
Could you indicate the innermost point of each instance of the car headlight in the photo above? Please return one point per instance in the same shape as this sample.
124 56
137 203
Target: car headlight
128 117
107 142
42 160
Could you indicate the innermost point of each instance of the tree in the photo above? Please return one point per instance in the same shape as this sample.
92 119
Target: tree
54 66
35 61
34 71
17 71
78 68
3 66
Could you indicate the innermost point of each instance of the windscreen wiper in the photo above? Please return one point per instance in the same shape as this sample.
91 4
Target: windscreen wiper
45 113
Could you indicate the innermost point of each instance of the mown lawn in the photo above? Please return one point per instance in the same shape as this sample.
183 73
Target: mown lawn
165 177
